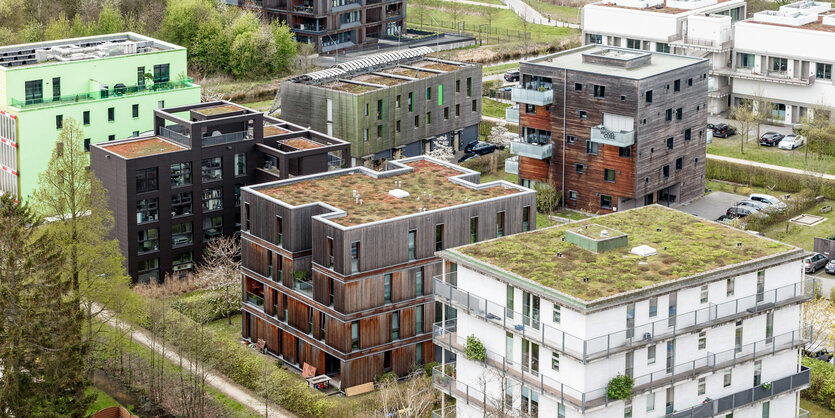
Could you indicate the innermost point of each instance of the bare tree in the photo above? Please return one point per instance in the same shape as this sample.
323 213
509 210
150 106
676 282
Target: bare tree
194 353
820 314
496 406
221 270
745 116
414 394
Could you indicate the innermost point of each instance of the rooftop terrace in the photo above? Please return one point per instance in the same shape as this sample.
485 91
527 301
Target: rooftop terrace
429 187
686 245
143 147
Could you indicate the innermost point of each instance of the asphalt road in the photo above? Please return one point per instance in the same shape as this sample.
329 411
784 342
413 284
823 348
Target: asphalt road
711 206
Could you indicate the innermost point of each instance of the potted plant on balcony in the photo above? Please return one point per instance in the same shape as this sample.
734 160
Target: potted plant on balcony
299 277
474 350
620 387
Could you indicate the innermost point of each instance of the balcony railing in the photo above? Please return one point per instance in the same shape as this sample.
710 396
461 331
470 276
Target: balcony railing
746 397
533 329
254 299
447 412
309 28
175 136
445 335
103 94
602 135
511 114
532 96
540 152
304 286
511 165
225 138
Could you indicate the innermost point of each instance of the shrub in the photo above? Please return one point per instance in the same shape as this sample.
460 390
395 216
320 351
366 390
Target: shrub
427 368
822 385
831 237
620 387
763 177
475 349
799 203
547 197
300 276
386 377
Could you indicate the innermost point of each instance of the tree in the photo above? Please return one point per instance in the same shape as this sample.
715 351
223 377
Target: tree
58 28
110 20
220 270
547 197
285 47
441 150
414 394
454 10
763 111
820 314
819 130
745 116
419 6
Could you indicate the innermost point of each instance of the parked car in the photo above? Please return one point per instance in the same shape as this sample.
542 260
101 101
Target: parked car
792 142
814 262
722 130
753 204
768 200
467 156
711 126
771 138
511 75
740 212
479 148
830 267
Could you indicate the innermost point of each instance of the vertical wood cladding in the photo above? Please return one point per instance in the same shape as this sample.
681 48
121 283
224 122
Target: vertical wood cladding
533 169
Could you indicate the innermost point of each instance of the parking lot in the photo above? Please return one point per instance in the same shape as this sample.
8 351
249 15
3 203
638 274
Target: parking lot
713 205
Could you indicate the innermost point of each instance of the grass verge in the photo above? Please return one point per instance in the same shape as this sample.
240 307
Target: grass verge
729 147
493 108
815 410
555 11
499 69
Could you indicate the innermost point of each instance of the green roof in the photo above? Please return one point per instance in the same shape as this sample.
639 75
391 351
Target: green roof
686 246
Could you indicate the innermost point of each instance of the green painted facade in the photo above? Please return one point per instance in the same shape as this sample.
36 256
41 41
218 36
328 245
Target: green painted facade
89 85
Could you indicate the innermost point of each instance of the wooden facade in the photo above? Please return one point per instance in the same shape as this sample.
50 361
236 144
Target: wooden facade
355 324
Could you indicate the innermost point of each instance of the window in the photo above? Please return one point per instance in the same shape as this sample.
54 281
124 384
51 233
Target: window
578 86
670 142
439 237
474 229
146 180
86 144
111 137
499 224
779 65
181 204
729 285
246 217
419 282
557 314
665 171
651 354
583 115
417 123
648 96
555 361
419 354
599 91
111 114
475 106
738 337
510 296
701 389
726 378
572 195
134 111
678 114
678 164
322 327
395 325
605 201
56 88
591 147
85 117
823 71
397 126
59 121
457 110
330 252
609 175
387 288
380 109
213 227
653 306
240 164
182 263
181 234
687 134
569 139
530 109
161 73
760 285
147 210
34 91
212 199
702 340
212 169
677 85
625 152
181 174
469 86
412 239
690 82
446 113
355 335
160 104
769 327
669 115
148 269
650 402
410 100
440 94
670 395
526 219
365 133
397 101
148 240
419 319
355 256
458 86
379 131
766 409
623 98
429 93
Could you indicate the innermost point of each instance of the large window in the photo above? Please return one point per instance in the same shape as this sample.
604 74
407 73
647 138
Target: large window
213 199
56 88
181 234
181 174
148 240
591 147
411 244
823 71
605 201
355 335
146 180
745 61
212 169
609 175
662 47
161 73
526 219
147 210
633 43
181 204
34 91
665 171
212 227
240 164
148 270
779 65
182 263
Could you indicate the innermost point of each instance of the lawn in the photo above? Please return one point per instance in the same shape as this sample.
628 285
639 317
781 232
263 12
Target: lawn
555 11
804 236
499 69
493 108
103 400
261 106
815 410
489 1
729 147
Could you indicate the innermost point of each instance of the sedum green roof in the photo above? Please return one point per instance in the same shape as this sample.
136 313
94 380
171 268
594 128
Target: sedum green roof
686 245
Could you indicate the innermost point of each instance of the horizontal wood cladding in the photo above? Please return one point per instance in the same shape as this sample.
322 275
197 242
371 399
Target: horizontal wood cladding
533 169
539 119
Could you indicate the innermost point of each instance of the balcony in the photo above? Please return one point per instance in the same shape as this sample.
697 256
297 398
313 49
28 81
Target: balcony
309 28
719 93
603 346
304 286
116 92
511 114
713 45
524 149
511 165
621 139
254 299
780 77
538 97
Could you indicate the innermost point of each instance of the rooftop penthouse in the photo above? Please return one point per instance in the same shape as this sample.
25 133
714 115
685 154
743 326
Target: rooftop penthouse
563 258
613 61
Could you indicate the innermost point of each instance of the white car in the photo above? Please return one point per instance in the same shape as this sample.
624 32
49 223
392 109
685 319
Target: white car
769 200
792 142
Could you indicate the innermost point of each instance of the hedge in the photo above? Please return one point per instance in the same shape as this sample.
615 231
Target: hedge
196 304
763 177
822 387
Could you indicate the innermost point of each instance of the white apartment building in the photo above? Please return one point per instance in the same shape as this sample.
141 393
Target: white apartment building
701 28
708 325
786 56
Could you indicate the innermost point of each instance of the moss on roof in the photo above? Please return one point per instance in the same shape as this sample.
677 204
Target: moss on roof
144 147
349 87
428 185
686 245
218 110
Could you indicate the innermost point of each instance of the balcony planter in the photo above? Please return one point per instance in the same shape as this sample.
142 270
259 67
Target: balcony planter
767 385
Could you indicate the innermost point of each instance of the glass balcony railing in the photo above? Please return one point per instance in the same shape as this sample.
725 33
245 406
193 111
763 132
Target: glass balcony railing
511 165
254 299
538 97
540 152
511 114
304 287
114 92
533 329
621 139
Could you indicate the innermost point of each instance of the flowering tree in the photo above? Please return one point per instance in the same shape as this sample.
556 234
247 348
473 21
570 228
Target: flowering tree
441 150
221 271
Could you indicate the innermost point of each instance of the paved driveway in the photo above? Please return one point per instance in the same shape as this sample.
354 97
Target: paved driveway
712 206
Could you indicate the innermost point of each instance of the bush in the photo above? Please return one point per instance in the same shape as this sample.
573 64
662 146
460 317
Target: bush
799 203
427 368
205 306
822 386
475 349
620 387
386 377
831 237
547 197
300 276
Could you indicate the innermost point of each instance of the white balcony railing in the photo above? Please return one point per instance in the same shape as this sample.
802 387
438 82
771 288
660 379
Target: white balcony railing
602 135
511 114
511 165
531 96
540 152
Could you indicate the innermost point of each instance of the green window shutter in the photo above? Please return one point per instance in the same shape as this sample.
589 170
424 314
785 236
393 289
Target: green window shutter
440 94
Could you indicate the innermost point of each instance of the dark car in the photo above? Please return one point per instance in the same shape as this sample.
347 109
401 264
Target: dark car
711 126
512 75
815 261
739 212
830 266
467 156
771 139
722 130
479 148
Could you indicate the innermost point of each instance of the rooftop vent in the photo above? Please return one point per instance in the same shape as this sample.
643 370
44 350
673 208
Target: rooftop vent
643 251
596 238
398 193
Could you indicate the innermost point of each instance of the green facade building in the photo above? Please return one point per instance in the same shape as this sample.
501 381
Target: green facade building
107 83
